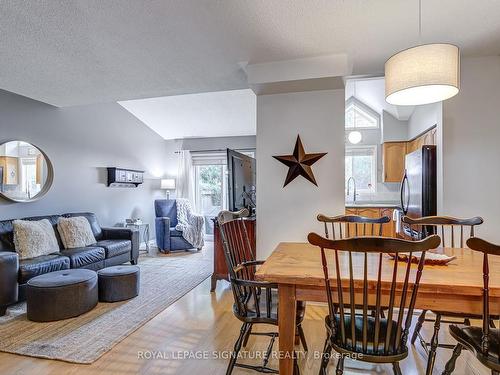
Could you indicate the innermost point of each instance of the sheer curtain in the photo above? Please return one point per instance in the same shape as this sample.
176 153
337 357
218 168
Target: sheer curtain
185 178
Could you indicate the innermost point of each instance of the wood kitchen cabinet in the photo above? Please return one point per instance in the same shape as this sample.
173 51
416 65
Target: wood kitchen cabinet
388 230
393 154
428 138
10 170
393 157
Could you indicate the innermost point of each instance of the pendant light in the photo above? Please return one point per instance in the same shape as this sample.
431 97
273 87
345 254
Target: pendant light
424 74
355 137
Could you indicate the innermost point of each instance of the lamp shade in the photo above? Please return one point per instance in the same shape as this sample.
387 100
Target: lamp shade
424 74
168 184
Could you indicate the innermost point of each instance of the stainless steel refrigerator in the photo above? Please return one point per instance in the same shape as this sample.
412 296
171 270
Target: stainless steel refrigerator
419 185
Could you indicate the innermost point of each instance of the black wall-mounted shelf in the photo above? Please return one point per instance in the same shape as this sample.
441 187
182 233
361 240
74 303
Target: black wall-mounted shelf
124 177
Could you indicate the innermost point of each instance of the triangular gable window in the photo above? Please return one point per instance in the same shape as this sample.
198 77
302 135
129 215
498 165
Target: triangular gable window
360 116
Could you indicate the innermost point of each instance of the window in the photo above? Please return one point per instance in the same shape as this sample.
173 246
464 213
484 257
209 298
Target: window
361 163
210 175
360 116
210 180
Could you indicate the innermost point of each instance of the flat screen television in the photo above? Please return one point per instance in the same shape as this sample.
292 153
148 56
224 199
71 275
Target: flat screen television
241 181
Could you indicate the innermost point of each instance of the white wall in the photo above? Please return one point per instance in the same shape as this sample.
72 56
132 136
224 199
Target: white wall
471 152
289 214
216 143
423 118
393 129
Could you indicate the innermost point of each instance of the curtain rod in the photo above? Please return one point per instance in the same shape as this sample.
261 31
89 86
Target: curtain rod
218 150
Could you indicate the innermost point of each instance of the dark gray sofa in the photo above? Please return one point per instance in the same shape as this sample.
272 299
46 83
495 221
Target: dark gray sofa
114 246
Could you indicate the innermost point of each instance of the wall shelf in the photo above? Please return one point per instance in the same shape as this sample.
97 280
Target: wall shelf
121 177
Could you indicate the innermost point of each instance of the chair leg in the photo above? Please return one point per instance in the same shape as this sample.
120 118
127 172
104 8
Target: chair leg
247 335
325 357
340 366
302 337
296 369
418 326
450 365
237 348
434 345
396 368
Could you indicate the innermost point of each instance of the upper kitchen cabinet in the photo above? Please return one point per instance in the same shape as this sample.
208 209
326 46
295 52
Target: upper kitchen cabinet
393 159
428 138
9 166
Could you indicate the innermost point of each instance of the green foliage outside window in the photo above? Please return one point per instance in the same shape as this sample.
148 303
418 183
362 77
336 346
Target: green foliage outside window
211 182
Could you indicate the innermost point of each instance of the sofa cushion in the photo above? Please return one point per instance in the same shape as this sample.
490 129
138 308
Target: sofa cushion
34 238
7 231
83 256
175 233
92 218
75 232
115 247
29 268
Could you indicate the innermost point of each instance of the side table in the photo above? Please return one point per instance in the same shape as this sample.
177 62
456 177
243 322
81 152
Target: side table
143 229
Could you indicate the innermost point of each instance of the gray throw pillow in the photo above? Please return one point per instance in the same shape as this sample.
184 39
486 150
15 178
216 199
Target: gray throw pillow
75 232
34 238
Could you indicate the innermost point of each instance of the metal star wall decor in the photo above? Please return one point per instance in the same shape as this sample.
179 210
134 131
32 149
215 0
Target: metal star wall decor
300 163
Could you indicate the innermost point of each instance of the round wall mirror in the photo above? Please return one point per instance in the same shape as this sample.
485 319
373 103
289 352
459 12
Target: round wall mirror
26 172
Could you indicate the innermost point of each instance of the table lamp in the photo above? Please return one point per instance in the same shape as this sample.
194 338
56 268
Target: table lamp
167 184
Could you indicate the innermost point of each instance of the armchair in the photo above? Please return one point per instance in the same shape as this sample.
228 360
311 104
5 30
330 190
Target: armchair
167 237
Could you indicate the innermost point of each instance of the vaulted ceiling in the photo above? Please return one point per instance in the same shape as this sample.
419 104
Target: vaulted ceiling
86 51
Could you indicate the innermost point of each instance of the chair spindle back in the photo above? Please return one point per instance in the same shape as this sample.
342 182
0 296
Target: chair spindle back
346 226
453 231
357 259
242 266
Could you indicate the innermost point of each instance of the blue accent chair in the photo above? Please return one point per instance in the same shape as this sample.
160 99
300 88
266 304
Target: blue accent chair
167 237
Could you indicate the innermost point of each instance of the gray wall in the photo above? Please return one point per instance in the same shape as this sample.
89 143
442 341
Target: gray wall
81 142
471 152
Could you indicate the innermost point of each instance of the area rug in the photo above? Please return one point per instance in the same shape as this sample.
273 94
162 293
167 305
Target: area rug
164 279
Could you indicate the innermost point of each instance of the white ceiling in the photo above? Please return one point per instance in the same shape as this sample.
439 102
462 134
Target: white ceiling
214 114
87 51
372 93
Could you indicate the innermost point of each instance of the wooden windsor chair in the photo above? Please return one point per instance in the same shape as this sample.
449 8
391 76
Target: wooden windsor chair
255 302
454 233
369 338
483 341
345 226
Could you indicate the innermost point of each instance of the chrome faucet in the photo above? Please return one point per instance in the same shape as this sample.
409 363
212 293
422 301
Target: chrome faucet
348 188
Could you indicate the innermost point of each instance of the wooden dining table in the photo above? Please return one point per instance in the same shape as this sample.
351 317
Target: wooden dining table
296 267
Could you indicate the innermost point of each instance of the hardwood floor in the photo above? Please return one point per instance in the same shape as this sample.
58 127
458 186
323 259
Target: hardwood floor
202 324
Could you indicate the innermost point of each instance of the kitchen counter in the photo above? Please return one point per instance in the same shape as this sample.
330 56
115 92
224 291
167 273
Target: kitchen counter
372 205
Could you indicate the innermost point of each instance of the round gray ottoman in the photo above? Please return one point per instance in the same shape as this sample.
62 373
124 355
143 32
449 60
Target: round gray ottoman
61 294
118 283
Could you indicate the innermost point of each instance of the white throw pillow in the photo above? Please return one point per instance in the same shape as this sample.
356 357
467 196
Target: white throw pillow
34 238
75 232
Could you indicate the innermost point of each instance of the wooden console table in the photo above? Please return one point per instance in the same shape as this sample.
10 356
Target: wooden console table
220 267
